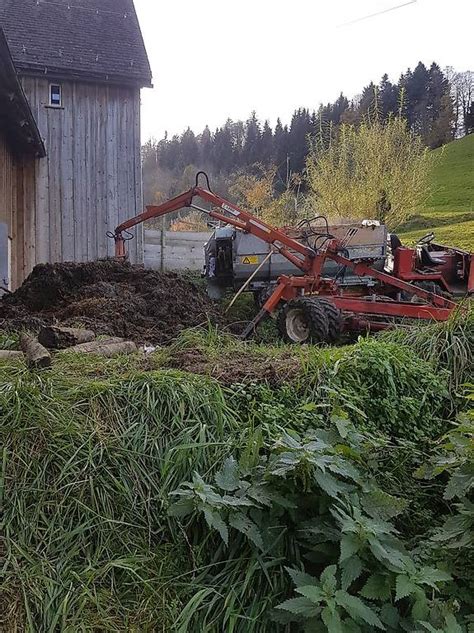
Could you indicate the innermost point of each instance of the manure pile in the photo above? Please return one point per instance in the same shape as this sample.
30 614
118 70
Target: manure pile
109 297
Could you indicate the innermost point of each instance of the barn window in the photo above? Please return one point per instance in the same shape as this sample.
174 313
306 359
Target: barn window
55 96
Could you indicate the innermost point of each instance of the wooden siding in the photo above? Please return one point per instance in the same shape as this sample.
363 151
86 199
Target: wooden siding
16 183
90 180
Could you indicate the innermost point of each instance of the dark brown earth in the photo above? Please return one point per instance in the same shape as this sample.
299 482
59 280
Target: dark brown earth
238 367
109 297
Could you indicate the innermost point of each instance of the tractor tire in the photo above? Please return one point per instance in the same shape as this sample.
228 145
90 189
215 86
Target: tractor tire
335 321
428 286
303 320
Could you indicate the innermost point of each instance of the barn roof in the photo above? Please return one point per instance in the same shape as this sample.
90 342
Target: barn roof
17 123
97 40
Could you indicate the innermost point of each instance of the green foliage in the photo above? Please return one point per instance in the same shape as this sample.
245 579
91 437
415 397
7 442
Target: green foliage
399 393
8 341
447 346
378 169
278 477
351 568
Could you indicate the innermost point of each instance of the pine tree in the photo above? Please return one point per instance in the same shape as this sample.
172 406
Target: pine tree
266 145
252 140
387 97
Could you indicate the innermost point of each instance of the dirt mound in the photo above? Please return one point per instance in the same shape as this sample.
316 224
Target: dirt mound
109 297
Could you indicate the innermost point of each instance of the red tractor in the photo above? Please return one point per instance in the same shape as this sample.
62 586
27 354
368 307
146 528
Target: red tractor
310 306
434 267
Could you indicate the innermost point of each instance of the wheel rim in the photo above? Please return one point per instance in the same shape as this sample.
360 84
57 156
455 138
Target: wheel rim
297 326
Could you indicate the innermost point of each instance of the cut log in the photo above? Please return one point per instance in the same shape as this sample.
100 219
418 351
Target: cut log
37 356
62 337
107 348
6 354
89 348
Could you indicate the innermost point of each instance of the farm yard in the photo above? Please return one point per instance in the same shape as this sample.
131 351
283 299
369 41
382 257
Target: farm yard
210 484
236 353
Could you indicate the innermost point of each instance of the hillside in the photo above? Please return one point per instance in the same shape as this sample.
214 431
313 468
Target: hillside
450 210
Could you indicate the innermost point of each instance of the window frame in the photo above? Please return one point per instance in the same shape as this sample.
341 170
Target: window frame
50 95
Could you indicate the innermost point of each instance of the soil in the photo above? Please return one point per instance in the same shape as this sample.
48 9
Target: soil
111 298
240 367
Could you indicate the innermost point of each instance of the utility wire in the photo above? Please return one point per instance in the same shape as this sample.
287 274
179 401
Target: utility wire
373 15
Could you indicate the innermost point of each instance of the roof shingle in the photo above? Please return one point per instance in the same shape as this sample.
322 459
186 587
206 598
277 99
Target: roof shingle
93 39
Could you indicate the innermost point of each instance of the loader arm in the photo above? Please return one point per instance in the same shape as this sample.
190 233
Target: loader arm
296 252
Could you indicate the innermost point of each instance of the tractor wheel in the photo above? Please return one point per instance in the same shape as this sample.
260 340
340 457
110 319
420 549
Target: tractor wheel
334 316
303 320
428 286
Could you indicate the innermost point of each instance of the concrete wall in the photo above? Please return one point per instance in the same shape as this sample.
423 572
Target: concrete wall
175 250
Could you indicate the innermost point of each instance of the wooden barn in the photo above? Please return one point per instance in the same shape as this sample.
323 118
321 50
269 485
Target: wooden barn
70 150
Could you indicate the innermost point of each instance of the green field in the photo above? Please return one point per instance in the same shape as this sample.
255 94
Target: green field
449 212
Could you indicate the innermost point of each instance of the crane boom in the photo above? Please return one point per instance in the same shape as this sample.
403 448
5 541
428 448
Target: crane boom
230 214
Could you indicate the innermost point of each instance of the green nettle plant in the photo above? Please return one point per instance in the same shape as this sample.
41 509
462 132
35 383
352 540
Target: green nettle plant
305 503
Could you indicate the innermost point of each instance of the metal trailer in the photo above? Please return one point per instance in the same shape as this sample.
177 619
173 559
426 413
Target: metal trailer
233 257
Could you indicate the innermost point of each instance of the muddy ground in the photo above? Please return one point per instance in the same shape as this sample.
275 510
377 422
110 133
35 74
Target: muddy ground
109 297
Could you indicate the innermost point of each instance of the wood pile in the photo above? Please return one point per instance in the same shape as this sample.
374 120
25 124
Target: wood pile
38 351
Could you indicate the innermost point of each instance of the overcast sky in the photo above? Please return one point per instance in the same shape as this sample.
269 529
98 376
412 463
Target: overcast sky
219 59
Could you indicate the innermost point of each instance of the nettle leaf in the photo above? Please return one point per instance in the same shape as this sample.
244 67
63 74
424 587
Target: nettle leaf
301 578
228 478
283 501
459 484
237 501
299 606
358 609
404 587
429 627
311 592
452 625
377 587
214 521
331 485
380 504
343 425
286 463
344 468
420 607
332 620
243 524
388 554
181 508
350 545
390 616
328 578
430 576
351 570
260 494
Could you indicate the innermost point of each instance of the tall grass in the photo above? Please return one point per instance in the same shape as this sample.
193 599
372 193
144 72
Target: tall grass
85 481
446 345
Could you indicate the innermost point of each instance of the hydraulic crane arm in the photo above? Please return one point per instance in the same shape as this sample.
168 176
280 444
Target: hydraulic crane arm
298 254
303 257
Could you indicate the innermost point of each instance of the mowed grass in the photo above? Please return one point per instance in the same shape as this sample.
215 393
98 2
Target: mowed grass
449 211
